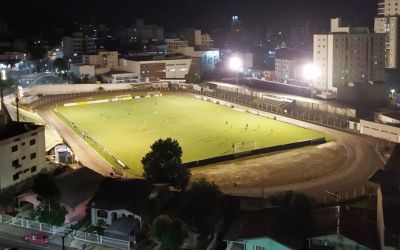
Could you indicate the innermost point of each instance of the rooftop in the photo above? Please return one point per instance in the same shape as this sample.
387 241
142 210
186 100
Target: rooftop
275 223
115 194
12 129
345 222
78 185
156 57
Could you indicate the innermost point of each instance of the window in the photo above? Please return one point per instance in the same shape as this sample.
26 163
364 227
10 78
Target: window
15 163
32 142
102 214
33 156
33 169
14 148
258 248
16 177
33 134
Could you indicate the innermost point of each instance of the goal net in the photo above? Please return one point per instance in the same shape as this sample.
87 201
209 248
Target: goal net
122 97
154 93
244 146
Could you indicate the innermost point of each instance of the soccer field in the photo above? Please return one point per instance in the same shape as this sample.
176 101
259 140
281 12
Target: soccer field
203 129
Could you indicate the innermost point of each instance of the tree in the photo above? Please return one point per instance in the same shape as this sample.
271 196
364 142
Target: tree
294 201
206 203
7 201
169 232
192 78
46 189
55 216
163 164
4 85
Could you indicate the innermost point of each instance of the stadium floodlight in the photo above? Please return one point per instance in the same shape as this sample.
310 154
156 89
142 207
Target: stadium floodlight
311 72
392 91
235 64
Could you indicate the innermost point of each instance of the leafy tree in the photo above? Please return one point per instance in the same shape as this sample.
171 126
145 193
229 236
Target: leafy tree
192 78
163 164
206 203
46 189
169 232
7 201
294 201
60 64
55 216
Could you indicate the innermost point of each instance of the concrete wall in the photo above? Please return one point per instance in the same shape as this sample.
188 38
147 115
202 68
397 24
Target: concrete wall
379 130
72 88
10 175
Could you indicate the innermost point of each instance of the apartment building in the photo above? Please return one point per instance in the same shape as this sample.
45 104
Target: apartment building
387 22
348 56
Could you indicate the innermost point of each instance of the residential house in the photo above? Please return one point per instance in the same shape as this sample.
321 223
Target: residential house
341 228
271 228
120 205
77 188
388 201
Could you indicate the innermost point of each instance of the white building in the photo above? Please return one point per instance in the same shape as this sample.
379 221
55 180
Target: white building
78 44
22 151
348 55
197 39
387 23
83 70
155 68
208 57
288 69
103 61
118 76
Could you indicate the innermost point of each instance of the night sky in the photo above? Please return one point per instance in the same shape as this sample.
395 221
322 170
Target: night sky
175 14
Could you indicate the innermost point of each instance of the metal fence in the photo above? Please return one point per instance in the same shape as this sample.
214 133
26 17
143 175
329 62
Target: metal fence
62 231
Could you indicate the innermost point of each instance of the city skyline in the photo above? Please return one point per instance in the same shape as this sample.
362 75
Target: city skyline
177 14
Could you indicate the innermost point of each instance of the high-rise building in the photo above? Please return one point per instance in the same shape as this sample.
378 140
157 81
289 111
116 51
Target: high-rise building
348 55
78 43
387 23
196 39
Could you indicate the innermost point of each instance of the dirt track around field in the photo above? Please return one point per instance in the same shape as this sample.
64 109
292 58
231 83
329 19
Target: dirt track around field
274 170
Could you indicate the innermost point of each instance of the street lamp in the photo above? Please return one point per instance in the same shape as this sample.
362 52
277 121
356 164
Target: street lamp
235 64
392 91
311 72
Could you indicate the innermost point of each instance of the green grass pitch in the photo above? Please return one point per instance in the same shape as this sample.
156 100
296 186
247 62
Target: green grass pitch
203 129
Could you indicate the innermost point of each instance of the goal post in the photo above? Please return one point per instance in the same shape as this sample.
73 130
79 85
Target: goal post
122 97
240 147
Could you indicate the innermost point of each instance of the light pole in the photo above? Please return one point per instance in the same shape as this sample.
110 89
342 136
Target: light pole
235 64
311 72
69 70
393 100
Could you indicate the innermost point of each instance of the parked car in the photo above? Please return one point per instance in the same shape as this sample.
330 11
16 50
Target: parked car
37 238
